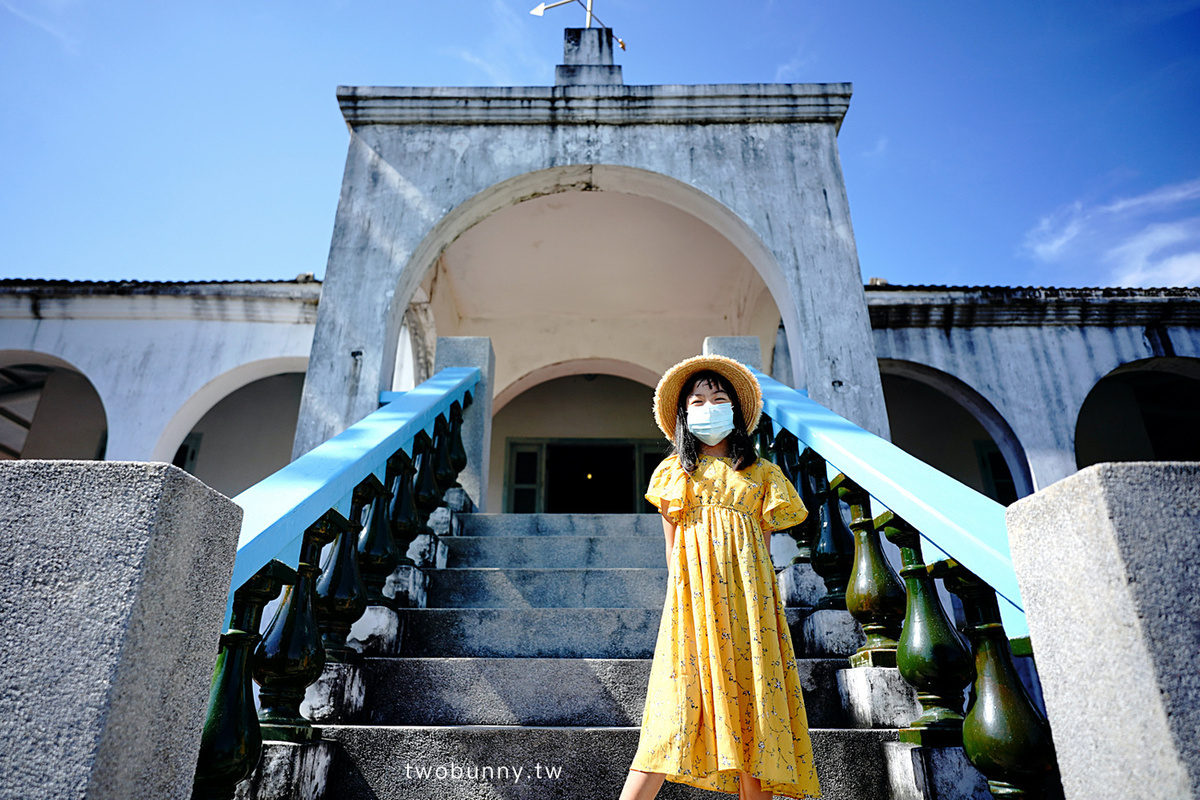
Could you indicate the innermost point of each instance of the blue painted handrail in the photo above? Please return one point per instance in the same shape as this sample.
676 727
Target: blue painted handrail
955 519
279 508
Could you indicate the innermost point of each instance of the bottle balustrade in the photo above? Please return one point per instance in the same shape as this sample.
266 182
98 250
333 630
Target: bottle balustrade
1001 730
363 497
367 495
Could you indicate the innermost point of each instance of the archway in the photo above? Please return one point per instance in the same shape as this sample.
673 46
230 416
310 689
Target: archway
1142 411
944 422
213 392
48 409
592 262
246 436
578 441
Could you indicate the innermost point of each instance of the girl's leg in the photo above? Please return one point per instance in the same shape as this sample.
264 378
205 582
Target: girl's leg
642 785
749 788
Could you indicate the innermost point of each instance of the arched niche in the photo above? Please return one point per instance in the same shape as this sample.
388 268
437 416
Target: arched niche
591 262
946 423
1146 410
584 418
208 396
48 409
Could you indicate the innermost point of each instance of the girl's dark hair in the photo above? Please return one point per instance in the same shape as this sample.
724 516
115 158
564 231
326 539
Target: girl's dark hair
687 446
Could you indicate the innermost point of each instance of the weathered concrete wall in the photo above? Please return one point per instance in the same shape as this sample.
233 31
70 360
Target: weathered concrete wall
160 361
1036 377
115 579
758 163
1108 561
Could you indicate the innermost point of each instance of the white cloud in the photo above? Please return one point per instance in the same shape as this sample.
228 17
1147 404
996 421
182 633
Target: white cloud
48 15
1055 232
880 148
1166 254
793 70
508 58
1151 239
1164 196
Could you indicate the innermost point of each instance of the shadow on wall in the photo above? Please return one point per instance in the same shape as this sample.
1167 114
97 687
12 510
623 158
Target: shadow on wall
48 410
1142 411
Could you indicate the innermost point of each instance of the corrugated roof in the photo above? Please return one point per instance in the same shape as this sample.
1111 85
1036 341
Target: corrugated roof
1045 291
129 284
301 286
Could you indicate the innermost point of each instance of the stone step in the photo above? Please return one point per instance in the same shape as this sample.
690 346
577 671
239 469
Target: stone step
579 763
572 552
530 632
545 632
492 587
532 691
560 525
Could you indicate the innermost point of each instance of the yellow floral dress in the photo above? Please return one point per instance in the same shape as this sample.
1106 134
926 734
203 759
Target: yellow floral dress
724 693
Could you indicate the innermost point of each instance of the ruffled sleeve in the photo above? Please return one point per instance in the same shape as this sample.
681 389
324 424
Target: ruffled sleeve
669 483
782 507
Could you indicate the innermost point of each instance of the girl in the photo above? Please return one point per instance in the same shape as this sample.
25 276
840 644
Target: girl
723 708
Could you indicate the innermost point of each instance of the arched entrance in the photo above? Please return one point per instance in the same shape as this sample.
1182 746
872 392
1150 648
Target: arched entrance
48 409
582 442
617 276
947 424
615 263
424 169
1146 410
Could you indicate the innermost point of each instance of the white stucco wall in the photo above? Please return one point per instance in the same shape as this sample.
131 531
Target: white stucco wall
161 356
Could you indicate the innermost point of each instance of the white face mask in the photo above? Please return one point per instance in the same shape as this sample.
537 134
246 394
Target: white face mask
710 423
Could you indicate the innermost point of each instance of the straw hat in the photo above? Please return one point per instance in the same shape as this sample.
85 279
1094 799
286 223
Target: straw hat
666 396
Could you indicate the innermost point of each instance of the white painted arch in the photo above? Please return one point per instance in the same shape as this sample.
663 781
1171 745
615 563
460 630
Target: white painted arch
589 366
69 413
592 178
217 389
978 407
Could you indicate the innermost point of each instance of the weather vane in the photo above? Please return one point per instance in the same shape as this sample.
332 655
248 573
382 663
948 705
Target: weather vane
542 7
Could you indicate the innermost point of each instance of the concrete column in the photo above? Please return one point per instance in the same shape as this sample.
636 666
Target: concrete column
473 351
115 580
746 349
587 58
1107 561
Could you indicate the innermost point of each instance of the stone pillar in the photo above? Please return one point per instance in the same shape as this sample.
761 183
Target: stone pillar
746 349
587 58
115 581
1107 561
473 351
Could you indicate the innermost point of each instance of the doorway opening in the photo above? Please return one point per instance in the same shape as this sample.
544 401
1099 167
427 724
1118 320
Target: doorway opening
580 476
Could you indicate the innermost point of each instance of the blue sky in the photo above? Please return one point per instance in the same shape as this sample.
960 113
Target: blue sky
1004 143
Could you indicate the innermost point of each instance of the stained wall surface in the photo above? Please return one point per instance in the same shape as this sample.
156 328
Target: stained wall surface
160 356
1034 361
758 164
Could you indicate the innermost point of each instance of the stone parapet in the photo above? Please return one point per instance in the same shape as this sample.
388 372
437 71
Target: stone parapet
115 582
1107 561
595 104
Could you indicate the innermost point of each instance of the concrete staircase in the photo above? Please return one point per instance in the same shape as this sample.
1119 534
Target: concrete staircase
529 668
